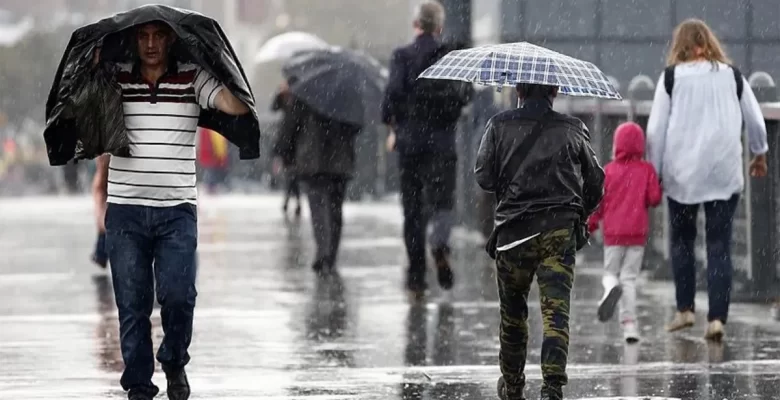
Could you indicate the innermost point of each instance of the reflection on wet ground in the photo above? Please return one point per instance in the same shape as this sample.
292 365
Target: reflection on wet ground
267 328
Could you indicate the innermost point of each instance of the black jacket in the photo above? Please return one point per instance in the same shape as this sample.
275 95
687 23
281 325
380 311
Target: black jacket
559 184
74 128
315 145
418 134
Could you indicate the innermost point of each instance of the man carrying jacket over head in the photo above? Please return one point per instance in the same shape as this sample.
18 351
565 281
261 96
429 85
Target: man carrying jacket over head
150 218
547 181
423 116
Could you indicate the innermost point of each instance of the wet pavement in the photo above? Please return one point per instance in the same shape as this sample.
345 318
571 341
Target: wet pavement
265 328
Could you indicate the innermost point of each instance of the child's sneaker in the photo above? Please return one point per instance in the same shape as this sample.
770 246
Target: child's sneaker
612 293
630 332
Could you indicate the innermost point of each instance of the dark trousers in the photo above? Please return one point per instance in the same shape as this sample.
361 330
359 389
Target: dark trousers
326 201
292 189
719 217
550 258
148 245
428 184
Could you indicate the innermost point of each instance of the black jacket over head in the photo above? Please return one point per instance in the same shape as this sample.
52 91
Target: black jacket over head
84 115
557 185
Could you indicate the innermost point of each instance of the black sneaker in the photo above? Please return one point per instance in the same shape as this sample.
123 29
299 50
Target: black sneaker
415 289
178 385
551 392
444 273
503 392
139 394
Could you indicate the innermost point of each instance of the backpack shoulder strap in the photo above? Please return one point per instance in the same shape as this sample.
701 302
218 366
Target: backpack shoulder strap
739 81
669 79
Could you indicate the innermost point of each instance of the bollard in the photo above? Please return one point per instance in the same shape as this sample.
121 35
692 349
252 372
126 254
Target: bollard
758 281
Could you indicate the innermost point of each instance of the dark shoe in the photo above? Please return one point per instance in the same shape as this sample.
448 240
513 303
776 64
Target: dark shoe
415 289
178 385
551 392
444 273
139 394
503 392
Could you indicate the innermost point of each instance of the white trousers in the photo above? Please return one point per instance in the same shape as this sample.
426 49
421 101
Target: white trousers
624 263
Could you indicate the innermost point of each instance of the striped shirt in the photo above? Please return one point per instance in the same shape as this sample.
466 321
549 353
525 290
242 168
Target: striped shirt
161 123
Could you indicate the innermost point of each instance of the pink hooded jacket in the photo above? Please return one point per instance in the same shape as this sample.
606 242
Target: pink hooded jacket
631 187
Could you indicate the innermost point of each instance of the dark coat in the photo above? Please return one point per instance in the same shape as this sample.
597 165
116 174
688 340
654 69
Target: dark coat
316 145
427 133
73 127
559 184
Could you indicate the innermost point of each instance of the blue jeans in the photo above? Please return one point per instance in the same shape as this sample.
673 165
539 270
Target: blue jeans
147 245
719 217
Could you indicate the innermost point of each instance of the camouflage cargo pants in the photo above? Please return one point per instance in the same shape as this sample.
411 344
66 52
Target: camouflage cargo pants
549 257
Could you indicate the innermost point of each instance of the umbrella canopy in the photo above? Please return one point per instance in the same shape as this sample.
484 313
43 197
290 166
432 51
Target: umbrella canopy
512 63
286 45
337 83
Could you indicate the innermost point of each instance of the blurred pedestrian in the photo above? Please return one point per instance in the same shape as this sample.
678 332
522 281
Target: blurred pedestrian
423 116
284 153
213 157
151 214
547 181
323 150
630 187
695 143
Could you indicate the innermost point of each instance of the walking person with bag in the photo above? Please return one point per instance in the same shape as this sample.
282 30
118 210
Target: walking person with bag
631 187
422 116
695 143
547 181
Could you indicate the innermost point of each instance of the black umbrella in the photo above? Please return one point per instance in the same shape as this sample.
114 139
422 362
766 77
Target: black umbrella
337 83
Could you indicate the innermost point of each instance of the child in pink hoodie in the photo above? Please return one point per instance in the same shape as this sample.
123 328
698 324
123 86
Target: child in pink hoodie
631 187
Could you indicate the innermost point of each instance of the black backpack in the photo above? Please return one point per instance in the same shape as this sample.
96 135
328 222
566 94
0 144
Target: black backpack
669 80
437 100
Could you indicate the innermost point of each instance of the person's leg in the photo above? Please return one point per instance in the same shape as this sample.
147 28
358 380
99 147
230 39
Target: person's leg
319 199
440 181
337 191
682 221
414 222
629 272
720 219
632 265
130 251
515 270
555 278
613 259
295 188
175 267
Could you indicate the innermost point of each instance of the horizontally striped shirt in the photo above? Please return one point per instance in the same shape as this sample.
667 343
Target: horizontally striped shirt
161 122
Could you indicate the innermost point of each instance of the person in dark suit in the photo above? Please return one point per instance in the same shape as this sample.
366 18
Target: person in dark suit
423 116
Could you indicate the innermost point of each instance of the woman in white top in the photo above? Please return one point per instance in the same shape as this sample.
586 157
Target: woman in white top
695 143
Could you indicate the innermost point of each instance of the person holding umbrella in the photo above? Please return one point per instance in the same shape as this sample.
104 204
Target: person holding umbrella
150 218
547 181
329 90
284 152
